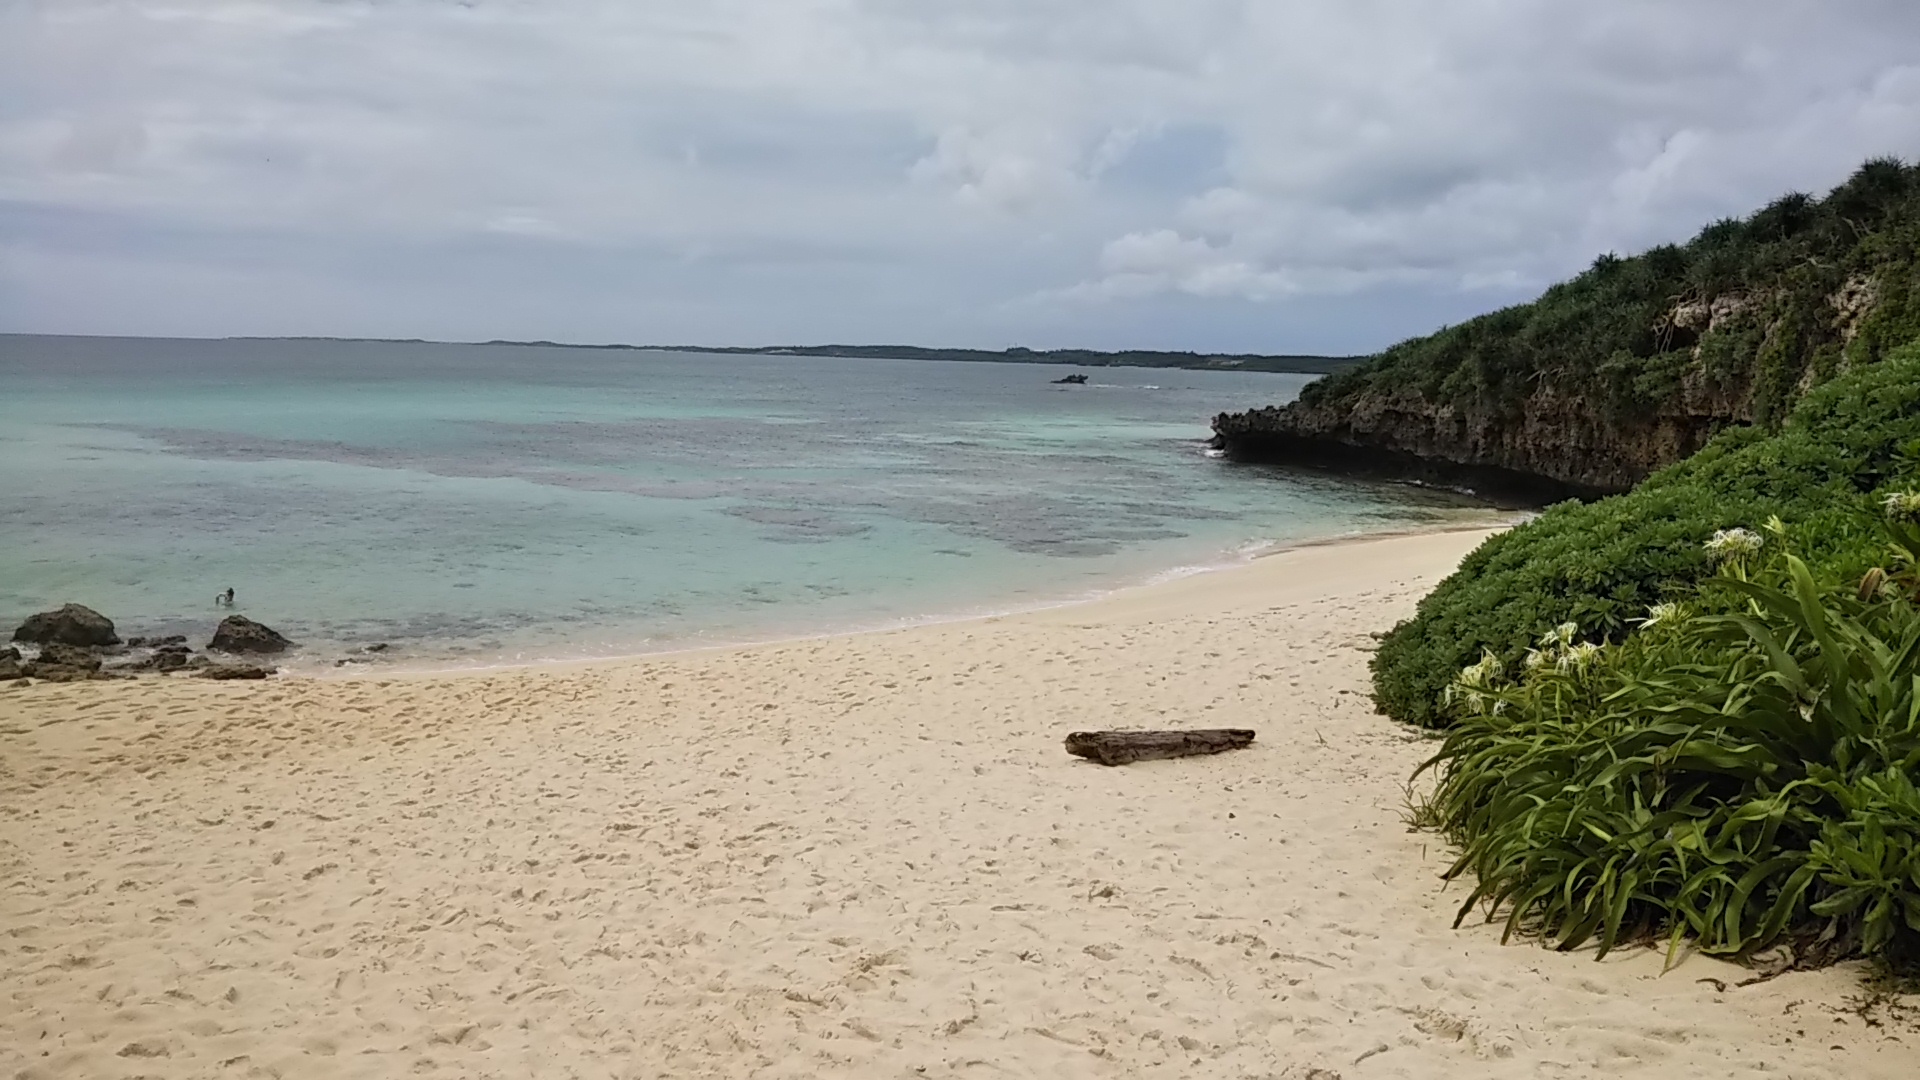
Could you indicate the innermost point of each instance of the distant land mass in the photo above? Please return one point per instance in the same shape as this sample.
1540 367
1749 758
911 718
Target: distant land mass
1147 358
1144 358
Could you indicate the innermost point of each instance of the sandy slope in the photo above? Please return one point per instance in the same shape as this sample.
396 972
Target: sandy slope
862 856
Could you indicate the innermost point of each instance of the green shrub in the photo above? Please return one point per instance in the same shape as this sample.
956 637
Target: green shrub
1604 563
1739 778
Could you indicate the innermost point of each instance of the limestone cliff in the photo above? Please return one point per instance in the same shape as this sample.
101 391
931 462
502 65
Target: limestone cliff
1629 366
1547 446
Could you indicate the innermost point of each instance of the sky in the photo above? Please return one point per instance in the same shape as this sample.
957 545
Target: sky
1219 175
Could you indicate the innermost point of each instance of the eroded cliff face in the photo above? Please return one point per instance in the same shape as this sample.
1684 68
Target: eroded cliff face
1549 446
1559 440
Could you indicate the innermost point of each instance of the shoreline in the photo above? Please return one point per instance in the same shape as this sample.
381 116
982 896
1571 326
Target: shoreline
1493 520
348 660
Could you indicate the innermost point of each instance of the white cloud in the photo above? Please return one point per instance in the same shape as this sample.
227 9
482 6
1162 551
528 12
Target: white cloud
1005 169
1143 264
897 169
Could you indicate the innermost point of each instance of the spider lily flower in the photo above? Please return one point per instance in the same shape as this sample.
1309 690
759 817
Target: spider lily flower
1903 506
1579 657
1483 674
1663 615
1474 684
1732 545
1560 636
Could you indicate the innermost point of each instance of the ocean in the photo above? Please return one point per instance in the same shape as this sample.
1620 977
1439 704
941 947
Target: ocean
488 504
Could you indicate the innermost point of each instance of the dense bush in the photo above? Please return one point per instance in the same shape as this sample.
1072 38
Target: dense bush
1741 777
1602 564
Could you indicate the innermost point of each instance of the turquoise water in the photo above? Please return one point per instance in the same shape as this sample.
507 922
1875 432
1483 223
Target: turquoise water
485 504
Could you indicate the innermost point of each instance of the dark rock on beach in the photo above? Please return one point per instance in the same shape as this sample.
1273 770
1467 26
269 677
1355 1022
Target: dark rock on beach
239 634
58 655
50 673
73 624
10 666
156 642
63 663
235 671
168 657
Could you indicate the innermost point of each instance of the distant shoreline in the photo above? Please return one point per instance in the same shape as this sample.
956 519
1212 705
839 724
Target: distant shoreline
1141 358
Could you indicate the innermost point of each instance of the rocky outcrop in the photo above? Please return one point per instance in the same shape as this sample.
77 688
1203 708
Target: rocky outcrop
1700 316
61 661
169 654
1557 442
172 658
1853 302
239 634
73 624
58 655
1548 447
58 662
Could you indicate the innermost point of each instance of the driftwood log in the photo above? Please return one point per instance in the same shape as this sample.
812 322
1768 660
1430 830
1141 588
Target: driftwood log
1121 747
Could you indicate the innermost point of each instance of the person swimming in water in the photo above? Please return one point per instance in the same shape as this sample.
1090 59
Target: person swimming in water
224 599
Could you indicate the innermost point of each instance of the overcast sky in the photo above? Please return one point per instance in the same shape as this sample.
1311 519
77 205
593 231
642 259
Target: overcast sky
1248 175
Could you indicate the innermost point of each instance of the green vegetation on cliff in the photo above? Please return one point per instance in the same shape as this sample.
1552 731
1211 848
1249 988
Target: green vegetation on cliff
1638 361
1752 308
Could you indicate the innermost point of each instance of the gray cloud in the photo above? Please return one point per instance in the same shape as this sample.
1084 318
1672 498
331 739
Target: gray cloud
1180 173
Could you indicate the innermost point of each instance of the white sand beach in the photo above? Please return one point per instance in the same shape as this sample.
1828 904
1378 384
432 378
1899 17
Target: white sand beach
860 856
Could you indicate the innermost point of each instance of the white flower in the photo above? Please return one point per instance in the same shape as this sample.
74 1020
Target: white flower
1903 506
1482 675
1536 659
1579 657
1461 692
1475 683
1664 614
1560 636
1734 544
